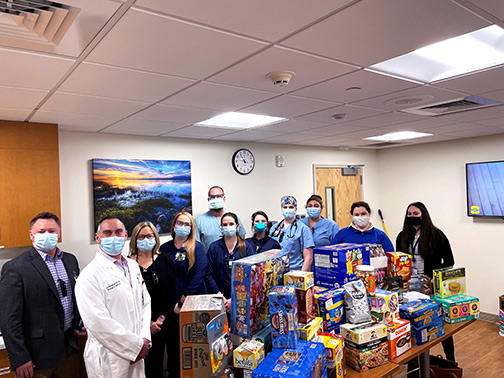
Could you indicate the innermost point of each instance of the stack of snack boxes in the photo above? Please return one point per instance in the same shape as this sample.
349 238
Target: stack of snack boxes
284 317
330 306
426 318
251 280
303 282
335 354
384 306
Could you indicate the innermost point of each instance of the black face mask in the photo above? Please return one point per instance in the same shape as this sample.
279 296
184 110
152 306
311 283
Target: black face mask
413 221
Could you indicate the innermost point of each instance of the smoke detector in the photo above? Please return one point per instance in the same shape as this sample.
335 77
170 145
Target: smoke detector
281 78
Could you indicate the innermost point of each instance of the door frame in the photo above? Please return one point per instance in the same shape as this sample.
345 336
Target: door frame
314 173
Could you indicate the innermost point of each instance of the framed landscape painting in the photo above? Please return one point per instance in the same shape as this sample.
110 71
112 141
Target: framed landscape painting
141 190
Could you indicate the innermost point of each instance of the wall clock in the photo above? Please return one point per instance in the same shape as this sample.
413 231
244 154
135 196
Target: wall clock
243 161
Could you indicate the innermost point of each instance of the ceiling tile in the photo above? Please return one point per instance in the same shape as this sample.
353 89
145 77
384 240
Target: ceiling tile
177 114
337 129
99 106
493 122
309 69
198 132
370 84
293 126
325 142
415 24
249 135
288 106
351 113
481 131
19 98
72 121
477 83
495 95
31 70
288 138
364 133
456 127
145 41
106 81
14 114
264 19
384 120
424 124
218 97
477 115
142 127
494 7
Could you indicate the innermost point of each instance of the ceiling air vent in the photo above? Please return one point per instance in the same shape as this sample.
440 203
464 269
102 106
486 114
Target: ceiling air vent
36 20
452 106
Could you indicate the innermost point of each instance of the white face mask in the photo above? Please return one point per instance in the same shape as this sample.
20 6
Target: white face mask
216 203
361 221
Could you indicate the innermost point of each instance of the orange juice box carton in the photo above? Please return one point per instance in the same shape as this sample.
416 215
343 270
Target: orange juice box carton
448 282
248 355
421 313
335 354
399 264
459 308
385 302
399 337
309 331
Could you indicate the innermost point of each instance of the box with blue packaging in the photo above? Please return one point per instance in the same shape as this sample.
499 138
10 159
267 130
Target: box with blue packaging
433 331
284 316
421 313
331 306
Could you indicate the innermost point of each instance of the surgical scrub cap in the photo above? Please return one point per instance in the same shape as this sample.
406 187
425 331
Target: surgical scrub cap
288 200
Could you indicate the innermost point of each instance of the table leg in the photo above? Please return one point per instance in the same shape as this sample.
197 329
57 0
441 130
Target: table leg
425 364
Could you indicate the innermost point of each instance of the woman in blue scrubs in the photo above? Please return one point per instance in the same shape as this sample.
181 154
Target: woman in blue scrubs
220 255
294 236
261 241
323 230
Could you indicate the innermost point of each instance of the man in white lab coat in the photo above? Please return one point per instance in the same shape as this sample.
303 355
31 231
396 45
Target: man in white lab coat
115 307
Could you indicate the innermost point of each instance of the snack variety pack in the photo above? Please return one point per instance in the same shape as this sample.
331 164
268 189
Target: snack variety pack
421 313
251 280
399 264
284 319
448 282
459 308
434 330
303 282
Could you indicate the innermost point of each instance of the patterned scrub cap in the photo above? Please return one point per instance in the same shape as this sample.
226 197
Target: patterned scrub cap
288 200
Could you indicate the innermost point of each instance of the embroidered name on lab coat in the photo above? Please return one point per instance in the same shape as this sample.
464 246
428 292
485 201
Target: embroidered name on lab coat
114 285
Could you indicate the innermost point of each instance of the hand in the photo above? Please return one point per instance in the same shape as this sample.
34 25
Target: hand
227 304
176 309
143 352
154 327
81 332
25 370
160 320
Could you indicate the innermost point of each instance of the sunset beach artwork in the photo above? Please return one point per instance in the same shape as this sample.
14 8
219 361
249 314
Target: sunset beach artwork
141 190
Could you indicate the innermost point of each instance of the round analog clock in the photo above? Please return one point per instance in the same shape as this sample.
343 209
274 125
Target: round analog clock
243 161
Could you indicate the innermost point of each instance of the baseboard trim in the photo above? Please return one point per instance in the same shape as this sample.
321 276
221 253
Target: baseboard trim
487 317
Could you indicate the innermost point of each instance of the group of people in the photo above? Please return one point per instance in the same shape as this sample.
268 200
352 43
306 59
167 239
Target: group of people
129 307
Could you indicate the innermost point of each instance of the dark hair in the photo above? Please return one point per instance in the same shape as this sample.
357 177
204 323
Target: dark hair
363 204
45 215
427 236
242 247
216 186
108 217
317 198
260 212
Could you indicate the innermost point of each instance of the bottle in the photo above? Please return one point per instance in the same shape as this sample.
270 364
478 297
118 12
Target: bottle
366 273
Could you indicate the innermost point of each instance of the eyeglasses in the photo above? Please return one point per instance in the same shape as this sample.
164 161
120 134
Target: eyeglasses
180 223
63 287
215 196
148 236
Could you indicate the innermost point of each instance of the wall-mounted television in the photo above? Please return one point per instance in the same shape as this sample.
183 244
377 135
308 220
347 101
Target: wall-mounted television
485 189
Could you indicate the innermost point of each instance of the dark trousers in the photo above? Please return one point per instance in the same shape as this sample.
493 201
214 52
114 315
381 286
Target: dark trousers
173 345
449 348
155 359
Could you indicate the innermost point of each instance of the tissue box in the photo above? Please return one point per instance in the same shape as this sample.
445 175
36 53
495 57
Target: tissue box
309 331
331 305
399 264
385 301
421 313
399 338
248 355
434 330
284 319
459 308
448 282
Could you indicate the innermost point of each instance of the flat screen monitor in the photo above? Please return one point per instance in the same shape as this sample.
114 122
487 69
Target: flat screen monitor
485 189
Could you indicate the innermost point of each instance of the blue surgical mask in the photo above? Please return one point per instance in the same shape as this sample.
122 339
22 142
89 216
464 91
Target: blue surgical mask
182 231
112 246
313 212
260 227
289 213
146 245
229 231
216 203
45 242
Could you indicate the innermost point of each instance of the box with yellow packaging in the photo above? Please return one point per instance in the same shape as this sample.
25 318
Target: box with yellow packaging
309 331
459 308
335 354
399 264
448 282
299 279
248 355
385 302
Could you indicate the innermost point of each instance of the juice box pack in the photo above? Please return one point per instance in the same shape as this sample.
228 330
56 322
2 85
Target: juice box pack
399 264
248 355
448 282
336 265
459 308
284 317
331 307
421 313
251 280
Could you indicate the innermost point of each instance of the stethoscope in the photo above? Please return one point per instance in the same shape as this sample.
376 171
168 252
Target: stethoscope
279 231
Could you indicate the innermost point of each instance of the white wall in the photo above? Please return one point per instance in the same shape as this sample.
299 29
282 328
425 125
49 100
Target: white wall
435 175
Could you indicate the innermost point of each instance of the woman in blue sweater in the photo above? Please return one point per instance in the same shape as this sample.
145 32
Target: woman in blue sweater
261 241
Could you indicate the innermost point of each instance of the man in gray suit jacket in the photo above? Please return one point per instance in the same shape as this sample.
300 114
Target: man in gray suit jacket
38 312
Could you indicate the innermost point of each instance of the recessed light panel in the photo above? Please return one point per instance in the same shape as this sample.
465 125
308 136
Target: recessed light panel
234 120
401 135
456 56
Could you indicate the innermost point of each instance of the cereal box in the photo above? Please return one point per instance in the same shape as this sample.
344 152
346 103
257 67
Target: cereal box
430 332
284 319
251 280
336 265
364 332
195 314
386 302
448 282
306 310
459 308
299 279
335 356
317 290
368 355
421 313
399 337
248 355
331 307
309 331
399 264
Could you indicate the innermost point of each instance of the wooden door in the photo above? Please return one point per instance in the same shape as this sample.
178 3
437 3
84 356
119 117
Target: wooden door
338 192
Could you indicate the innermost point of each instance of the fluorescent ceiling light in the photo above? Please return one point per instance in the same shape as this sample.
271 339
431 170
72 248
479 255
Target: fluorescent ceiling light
234 120
460 55
400 135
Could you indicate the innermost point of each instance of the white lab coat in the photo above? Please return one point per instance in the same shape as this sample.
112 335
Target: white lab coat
117 318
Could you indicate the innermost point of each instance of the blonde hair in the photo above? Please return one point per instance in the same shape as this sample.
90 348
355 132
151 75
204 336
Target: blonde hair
133 250
190 243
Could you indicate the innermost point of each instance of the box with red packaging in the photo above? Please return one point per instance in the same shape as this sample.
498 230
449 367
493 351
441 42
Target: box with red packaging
399 264
399 337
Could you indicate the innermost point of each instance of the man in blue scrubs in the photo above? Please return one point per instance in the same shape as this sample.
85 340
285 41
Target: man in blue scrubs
208 228
294 236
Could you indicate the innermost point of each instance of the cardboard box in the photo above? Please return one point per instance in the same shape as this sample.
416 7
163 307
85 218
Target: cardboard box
364 332
336 265
335 354
306 309
385 302
399 338
399 264
434 330
195 314
421 313
251 280
459 308
448 282
264 336
299 279
368 355
248 355
331 306
309 331
284 317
